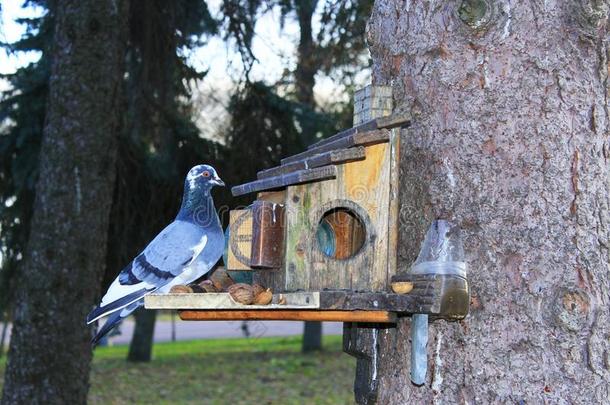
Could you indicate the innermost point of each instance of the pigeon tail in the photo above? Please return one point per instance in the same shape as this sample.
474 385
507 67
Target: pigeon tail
121 303
114 320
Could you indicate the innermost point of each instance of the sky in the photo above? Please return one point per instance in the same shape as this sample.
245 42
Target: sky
273 47
11 31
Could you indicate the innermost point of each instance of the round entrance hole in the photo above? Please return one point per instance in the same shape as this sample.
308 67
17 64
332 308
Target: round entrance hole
340 234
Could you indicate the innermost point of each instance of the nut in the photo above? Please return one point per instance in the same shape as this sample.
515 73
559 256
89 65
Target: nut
257 289
181 289
264 297
241 293
402 287
207 286
282 300
221 279
196 288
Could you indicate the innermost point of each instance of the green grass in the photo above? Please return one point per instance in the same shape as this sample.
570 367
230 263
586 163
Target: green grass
224 371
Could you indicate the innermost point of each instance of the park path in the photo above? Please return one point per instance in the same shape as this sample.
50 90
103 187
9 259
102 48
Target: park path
218 329
222 329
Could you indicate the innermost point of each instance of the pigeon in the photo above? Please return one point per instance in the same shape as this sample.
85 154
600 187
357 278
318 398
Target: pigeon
183 252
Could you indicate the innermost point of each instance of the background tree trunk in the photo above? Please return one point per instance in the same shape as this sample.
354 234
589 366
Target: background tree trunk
510 140
307 58
50 348
5 323
140 347
312 336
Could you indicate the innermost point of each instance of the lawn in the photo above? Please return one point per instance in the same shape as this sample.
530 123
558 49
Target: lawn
224 371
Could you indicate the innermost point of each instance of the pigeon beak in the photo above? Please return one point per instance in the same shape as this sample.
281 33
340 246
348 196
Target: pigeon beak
217 181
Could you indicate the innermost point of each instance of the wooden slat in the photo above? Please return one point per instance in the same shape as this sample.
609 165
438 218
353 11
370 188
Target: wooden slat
271 278
291 315
398 119
323 159
268 228
364 127
222 301
357 139
240 240
278 197
394 202
298 177
388 122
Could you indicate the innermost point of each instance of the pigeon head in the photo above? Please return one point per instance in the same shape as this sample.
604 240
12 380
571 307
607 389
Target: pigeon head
203 176
197 204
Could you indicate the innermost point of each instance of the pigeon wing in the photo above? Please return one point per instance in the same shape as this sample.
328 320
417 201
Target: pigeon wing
166 256
177 246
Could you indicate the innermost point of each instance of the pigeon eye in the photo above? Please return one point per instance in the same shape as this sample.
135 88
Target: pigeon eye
205 174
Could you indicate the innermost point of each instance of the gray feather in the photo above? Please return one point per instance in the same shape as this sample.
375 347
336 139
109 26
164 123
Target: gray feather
166 256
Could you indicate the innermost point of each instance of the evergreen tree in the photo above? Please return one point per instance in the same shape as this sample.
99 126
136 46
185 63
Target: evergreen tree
22 114
264 127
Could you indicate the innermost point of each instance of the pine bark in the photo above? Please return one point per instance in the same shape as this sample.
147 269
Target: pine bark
50 350
510 140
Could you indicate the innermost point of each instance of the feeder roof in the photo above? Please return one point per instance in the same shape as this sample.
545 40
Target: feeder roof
319 160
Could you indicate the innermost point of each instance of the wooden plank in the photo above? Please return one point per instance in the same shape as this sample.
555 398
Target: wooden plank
364 127
387 122
290 315
394 202
422 300
240 240
223 301
267 235
298 177
357 139
395 120
278 197
323 159
271 278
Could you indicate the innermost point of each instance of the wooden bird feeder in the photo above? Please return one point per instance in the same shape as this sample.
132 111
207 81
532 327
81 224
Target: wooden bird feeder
322 233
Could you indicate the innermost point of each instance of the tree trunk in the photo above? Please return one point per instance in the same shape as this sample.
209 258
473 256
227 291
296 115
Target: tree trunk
3 334
307 60
50 350
312 336
140 348
510 140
